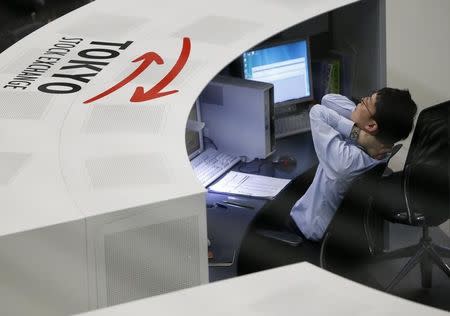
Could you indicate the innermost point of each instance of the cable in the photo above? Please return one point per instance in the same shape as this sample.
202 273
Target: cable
258 169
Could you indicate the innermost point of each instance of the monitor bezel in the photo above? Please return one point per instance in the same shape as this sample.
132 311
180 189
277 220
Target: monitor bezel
274 43
200 132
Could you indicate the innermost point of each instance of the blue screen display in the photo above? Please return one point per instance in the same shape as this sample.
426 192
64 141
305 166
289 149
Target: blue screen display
286 66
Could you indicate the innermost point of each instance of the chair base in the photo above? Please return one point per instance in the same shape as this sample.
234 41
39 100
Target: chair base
426 253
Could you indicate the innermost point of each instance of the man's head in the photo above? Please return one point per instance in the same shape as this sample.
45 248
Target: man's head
388 114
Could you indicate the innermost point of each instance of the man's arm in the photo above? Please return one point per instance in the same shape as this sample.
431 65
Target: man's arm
339 103
343 106
334 153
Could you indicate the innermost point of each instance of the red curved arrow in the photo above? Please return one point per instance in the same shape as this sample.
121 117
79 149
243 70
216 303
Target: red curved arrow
146 58
155 92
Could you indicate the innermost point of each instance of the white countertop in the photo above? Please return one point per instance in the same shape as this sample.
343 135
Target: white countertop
298 289
63 160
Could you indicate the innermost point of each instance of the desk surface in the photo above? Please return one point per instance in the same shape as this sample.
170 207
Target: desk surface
283 291
226 227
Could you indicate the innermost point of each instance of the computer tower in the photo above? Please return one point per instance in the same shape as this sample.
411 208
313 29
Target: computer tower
239 116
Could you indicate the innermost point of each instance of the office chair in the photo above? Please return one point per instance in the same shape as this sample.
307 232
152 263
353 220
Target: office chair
259 251
419 195
349 241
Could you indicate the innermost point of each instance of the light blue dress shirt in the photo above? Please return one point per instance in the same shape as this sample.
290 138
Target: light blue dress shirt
340 162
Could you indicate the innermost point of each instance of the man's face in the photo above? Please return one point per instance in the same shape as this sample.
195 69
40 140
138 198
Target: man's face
364 112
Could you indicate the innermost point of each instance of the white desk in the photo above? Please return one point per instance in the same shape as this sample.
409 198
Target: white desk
299 289
99 204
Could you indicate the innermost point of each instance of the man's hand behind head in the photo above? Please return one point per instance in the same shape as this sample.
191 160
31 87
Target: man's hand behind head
374 148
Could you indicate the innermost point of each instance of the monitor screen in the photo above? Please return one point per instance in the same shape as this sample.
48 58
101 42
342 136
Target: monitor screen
287 66
194 138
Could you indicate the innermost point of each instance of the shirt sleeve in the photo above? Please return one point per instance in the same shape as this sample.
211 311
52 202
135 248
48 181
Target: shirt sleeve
329 132
339 103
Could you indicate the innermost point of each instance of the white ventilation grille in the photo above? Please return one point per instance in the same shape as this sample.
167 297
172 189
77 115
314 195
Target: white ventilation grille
152 260
152 74
186 80
10 165
24 105
130 118
218 30
128 171
99 25
155 73
22 61
189 76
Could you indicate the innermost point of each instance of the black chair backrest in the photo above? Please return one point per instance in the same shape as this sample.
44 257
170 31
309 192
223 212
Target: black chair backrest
346 229
427 165
427 192
430 142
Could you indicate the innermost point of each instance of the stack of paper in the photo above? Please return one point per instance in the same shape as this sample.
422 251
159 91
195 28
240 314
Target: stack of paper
249 185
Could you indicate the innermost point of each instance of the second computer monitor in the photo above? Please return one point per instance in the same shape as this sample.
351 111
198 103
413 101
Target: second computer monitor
287 66
193 136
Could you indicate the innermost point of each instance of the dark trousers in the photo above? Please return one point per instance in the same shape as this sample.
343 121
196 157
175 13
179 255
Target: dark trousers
258 252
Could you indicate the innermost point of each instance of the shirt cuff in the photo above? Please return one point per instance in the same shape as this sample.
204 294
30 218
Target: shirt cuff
345 126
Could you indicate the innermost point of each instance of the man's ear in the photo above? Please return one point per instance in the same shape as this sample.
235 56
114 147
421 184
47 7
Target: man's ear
371 127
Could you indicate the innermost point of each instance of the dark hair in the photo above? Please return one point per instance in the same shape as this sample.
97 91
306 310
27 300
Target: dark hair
395 111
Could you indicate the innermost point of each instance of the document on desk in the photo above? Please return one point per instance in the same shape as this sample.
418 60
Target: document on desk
249 185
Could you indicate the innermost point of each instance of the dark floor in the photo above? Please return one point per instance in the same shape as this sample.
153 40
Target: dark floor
410 287
20 18
379 275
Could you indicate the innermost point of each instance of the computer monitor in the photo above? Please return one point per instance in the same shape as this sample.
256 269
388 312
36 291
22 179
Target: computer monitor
286 65
194 137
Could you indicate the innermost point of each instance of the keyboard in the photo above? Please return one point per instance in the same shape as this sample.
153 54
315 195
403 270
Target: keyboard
291 124
211 164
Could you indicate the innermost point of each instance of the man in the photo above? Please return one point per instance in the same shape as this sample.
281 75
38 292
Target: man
349 139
